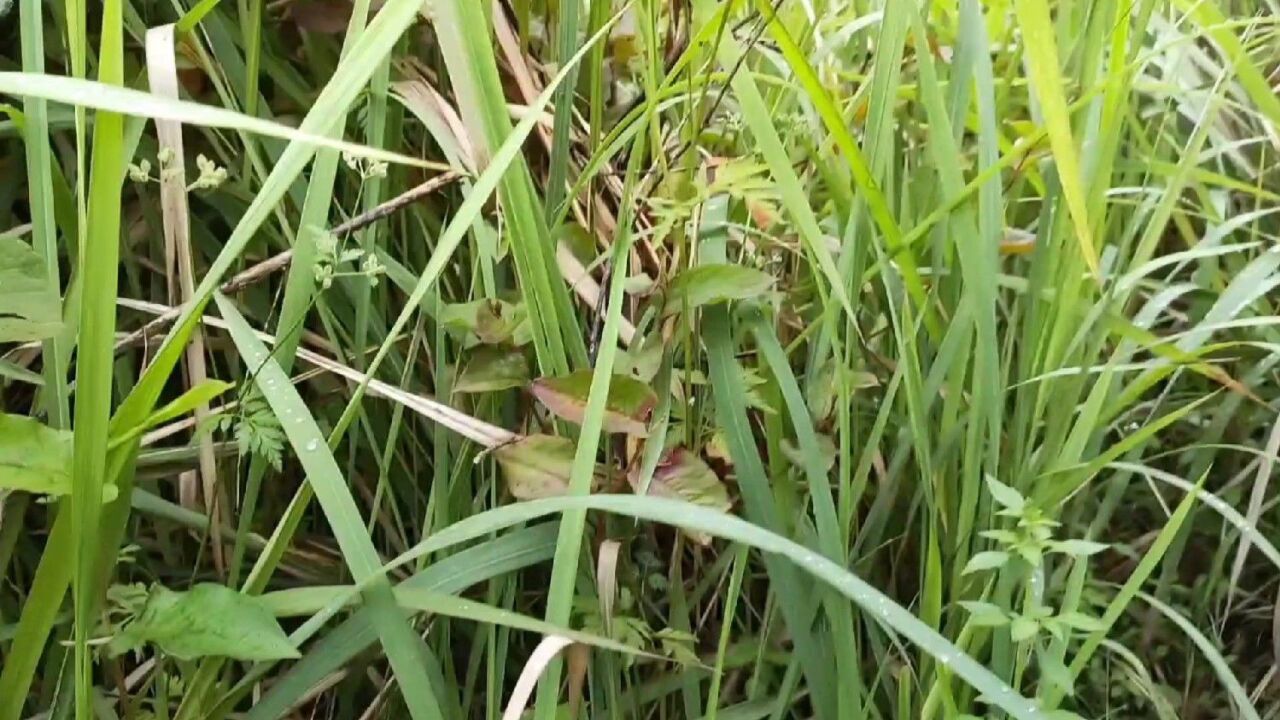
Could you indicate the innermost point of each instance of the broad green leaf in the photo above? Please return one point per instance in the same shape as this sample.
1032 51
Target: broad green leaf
537 466
627 409
715 283
491 369
682 475
34 457
208 620
26 312
487 321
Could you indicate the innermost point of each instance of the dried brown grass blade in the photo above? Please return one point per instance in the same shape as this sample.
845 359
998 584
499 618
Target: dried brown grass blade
162 73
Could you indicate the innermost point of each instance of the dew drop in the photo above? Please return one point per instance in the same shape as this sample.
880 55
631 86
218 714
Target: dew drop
312 445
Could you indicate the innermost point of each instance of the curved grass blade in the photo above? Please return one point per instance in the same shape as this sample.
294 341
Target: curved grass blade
1239 696
493 558
682 514
126 101
327 480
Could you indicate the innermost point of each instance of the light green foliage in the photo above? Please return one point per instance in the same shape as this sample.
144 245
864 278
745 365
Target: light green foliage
872 359
26 309
207 620
33 457
256 430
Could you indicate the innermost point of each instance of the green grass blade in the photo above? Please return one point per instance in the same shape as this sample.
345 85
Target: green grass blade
1042 57
95 353
40 195
1239 696
325 477
730 528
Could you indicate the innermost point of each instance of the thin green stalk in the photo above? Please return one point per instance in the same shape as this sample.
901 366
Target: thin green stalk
94 358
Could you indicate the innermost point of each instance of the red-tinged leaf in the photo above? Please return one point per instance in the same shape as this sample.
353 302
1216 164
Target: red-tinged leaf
491 369
682 475
627 409
537 466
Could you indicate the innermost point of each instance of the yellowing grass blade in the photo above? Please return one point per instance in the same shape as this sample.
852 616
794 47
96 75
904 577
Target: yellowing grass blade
1042 56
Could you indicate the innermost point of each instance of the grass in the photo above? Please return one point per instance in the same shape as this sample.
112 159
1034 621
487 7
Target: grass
999 440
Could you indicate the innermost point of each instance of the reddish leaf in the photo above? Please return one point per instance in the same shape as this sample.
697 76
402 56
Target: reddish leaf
537 466
627 409
683 475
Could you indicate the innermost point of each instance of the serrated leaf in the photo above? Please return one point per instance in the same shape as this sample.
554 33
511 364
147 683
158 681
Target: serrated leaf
537 466
988 560
682 475
36 458
26 310
491 369
712 283
627 409
1005 496
1079 548
208 620
985 614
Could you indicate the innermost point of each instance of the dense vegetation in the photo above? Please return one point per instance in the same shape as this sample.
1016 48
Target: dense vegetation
816 358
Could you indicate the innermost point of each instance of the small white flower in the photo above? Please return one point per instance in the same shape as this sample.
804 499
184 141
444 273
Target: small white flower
211 176
371 267
141 172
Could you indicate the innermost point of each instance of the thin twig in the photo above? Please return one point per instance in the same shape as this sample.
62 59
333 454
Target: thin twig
278 262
